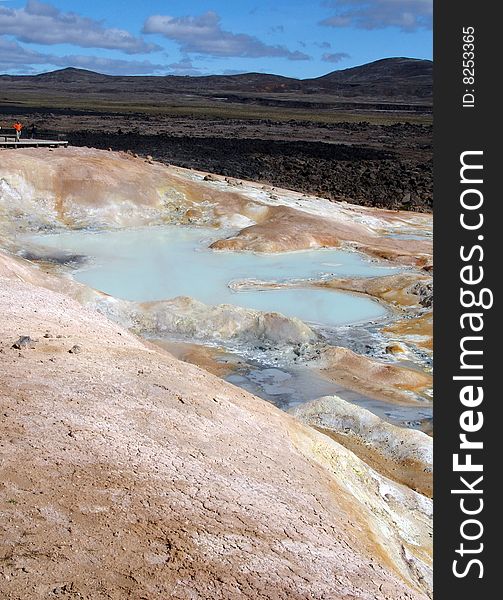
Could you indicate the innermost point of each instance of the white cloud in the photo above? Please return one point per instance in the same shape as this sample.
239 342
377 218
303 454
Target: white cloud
111 66
183 67
335 57
203 34
42 23
406 15
17 58
13 55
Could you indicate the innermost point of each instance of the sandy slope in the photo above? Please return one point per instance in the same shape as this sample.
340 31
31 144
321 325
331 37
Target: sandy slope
126 473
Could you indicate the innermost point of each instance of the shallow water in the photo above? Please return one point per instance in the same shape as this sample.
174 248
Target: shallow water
287 387
157 263
419 236
288 384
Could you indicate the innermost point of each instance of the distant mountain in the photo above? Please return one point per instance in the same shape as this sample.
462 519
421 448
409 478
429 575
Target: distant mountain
70 75
396 78
389 76
386 68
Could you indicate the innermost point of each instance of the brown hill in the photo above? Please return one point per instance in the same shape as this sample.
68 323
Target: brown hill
404 78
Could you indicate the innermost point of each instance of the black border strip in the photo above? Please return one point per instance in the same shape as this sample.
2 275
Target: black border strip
459 129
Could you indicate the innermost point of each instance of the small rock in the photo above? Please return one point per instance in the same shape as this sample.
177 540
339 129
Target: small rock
24 342
424 291
75 349
394 349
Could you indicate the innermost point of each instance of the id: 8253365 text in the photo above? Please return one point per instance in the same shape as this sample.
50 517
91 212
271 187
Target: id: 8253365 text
468 68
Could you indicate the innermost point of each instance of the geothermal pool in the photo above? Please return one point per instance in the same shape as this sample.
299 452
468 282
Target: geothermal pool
159 263
162 262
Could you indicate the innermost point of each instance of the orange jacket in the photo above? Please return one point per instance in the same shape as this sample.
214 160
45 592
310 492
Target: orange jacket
18 126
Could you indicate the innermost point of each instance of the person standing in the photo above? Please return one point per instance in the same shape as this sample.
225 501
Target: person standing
18 127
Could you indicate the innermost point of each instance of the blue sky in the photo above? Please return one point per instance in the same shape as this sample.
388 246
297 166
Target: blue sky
296 38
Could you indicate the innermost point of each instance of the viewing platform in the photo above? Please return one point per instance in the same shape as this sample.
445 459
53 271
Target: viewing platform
9 141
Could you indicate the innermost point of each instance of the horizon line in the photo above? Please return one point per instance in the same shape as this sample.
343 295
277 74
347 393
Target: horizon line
213 74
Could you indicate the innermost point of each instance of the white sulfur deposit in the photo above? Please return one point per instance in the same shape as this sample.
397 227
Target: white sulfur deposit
403 454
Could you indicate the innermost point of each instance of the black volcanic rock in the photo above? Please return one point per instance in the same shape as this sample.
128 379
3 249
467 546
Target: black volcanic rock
362 134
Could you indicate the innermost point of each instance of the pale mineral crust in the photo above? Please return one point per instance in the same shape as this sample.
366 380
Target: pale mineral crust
127 473
402 454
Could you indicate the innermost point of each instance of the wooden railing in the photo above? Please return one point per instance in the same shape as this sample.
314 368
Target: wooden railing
8 134
7 137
